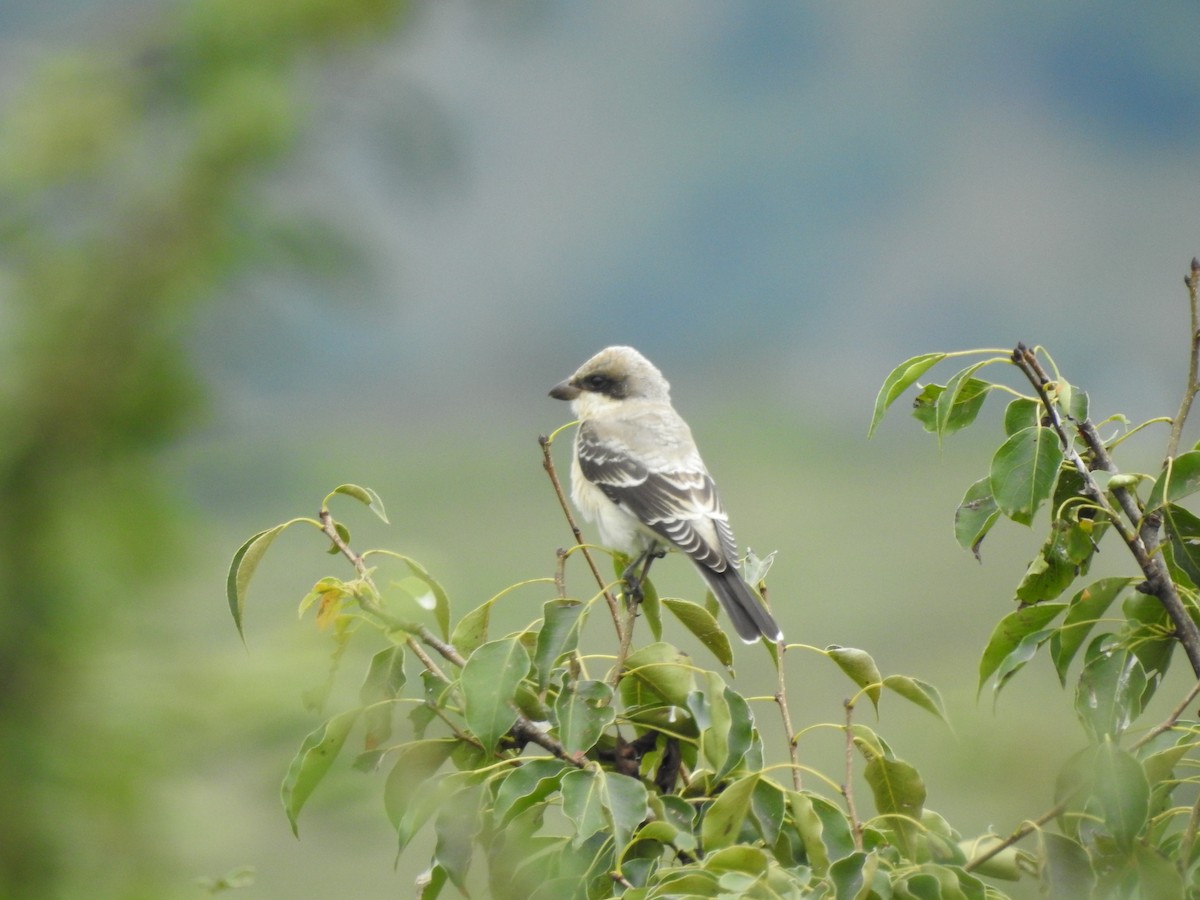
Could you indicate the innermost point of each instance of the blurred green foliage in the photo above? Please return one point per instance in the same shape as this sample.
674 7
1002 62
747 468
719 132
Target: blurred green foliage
126 186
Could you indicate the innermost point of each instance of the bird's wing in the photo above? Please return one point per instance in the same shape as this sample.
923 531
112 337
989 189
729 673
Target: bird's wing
675 498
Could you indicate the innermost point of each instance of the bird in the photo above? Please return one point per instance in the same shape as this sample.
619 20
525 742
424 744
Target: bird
637 475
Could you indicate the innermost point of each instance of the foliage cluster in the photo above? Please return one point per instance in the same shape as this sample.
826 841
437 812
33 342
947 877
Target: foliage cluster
550 763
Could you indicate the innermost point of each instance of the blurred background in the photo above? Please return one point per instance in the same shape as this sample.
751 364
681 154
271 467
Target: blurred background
252 249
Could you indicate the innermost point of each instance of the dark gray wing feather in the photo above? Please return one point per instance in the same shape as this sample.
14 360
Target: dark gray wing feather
668 503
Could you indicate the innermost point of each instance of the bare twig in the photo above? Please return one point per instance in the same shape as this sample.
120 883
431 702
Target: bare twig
1021 833
1192 280
548 465
1169 722
856 826
1158 580
781 699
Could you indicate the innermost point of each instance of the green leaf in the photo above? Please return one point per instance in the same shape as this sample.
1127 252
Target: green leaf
1157 875
1009 633
723 819
1057 563
241 570
1183 530
700 622
1066 869
1021 654
583 710
559 634
898 381
1180 478
860 668
975 516
528 784
1022 413
441 607
1084 610
456 826
898 791
308 767
655 674
598 800
1123 793
1111 689
1023 472
363 495
922 693
472 629
384 682
854 875
960 403
489 684
411 793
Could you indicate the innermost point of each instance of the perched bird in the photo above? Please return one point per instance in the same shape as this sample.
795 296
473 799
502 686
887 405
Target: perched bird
638 476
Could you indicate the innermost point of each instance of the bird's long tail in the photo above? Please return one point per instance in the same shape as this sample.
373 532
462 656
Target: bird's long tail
742 604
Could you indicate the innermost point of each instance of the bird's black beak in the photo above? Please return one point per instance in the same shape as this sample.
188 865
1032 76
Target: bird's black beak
564 390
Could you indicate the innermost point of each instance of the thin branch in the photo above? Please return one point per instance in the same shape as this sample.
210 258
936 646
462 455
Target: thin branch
548 465
1021 833
1158 580
1169 722
784 712
1192 280
856 825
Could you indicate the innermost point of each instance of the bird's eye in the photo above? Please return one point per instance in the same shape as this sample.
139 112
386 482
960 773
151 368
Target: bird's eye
597 382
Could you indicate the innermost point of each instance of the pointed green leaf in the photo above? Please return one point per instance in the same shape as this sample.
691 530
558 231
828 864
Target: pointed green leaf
1183 530
583 710
441 608
472 629
724 818
316 755
1025 650
898 790
1023 472
922 693
1111 689
898 381
700 622
860 667
655 674
410 794
559 634
1180 478
1022 413
363 495
456 825
489 684
1010 631
530 783
1057 563
1067 868
241 570
975 516
960 403
384 682
1121 788
598 800
1084 610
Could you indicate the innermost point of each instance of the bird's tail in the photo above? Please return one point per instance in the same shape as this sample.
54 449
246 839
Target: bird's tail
742 604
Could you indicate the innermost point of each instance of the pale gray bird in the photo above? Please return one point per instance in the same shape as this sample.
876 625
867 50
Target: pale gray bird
638 476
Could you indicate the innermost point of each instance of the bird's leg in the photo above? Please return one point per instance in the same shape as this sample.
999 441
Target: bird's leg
633 578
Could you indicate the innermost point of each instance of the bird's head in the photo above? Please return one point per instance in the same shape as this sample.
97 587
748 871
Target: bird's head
613 375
